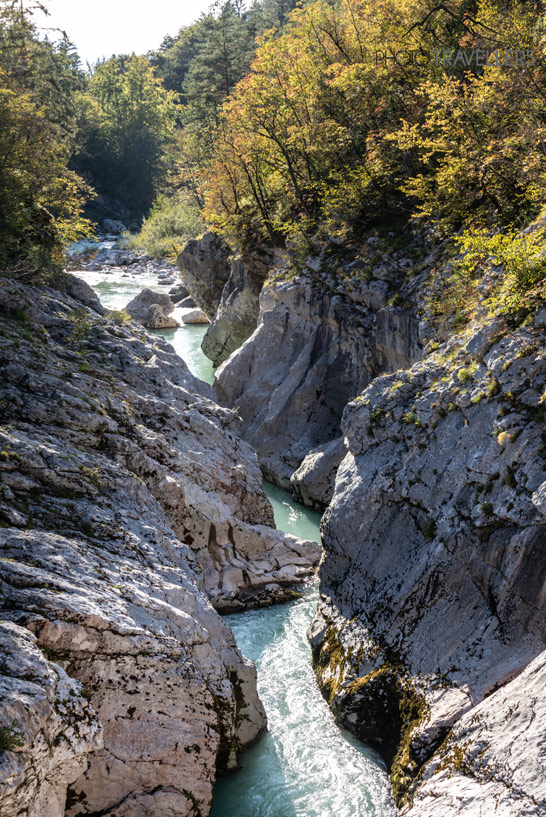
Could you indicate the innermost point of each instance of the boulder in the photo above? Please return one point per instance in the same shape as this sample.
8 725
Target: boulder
187 303
113 227
312 483
178 294
157 319
193 316
152 310
80 290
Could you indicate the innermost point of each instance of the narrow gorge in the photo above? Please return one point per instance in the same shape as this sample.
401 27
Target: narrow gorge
273 409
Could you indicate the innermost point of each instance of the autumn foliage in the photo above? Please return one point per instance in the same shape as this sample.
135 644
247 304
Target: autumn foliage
351 115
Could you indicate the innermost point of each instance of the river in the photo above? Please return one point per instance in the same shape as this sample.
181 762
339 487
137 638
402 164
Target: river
305 766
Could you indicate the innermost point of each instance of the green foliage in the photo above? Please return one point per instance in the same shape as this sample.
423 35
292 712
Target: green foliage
465 375
429 529
203 64
322 138
171 223
509 478
11 738
82 326
41 199
128 119
119 316
522 255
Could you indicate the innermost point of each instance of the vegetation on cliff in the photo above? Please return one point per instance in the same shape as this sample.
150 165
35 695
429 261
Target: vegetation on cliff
362 112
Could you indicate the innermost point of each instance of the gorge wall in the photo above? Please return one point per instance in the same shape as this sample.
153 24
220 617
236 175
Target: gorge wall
322 336
128 501
433 587
226 287
431 622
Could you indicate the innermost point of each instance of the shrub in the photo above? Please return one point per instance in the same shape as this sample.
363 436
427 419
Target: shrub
171 223
10 738
429 529
118 316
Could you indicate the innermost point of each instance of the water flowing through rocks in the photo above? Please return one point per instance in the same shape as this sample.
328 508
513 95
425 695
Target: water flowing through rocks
305 766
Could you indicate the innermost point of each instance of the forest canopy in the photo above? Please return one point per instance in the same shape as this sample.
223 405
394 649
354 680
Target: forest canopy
278 122
363 111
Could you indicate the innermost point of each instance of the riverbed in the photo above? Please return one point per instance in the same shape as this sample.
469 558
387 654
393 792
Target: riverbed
305 766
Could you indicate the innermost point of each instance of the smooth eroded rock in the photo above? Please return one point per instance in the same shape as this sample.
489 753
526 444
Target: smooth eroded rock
433 586
493 761
237 314
152 310
204 266
312 352
47 727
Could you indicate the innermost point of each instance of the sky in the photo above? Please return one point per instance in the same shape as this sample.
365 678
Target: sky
100 28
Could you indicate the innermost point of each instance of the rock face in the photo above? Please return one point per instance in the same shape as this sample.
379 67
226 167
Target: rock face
47 728
127 497
493 761
178 294
227 290
237 314
205 266
152 310
312 352
80 290
313 482
113 226
433 587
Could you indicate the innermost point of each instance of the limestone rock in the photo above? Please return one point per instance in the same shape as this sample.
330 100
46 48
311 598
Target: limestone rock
157 319
194 316
433 586
539 498
312 352
493 761
237 314
204 266
81 291
113 226
119 474
152 310
313 482
187 303
178 294
47 728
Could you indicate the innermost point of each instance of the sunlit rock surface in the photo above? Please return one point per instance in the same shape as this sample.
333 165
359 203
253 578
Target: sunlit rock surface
317 345
494 761
128 500
433 588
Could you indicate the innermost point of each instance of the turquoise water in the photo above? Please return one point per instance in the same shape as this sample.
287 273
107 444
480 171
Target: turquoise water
292 517
305 766
115 292
186 342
